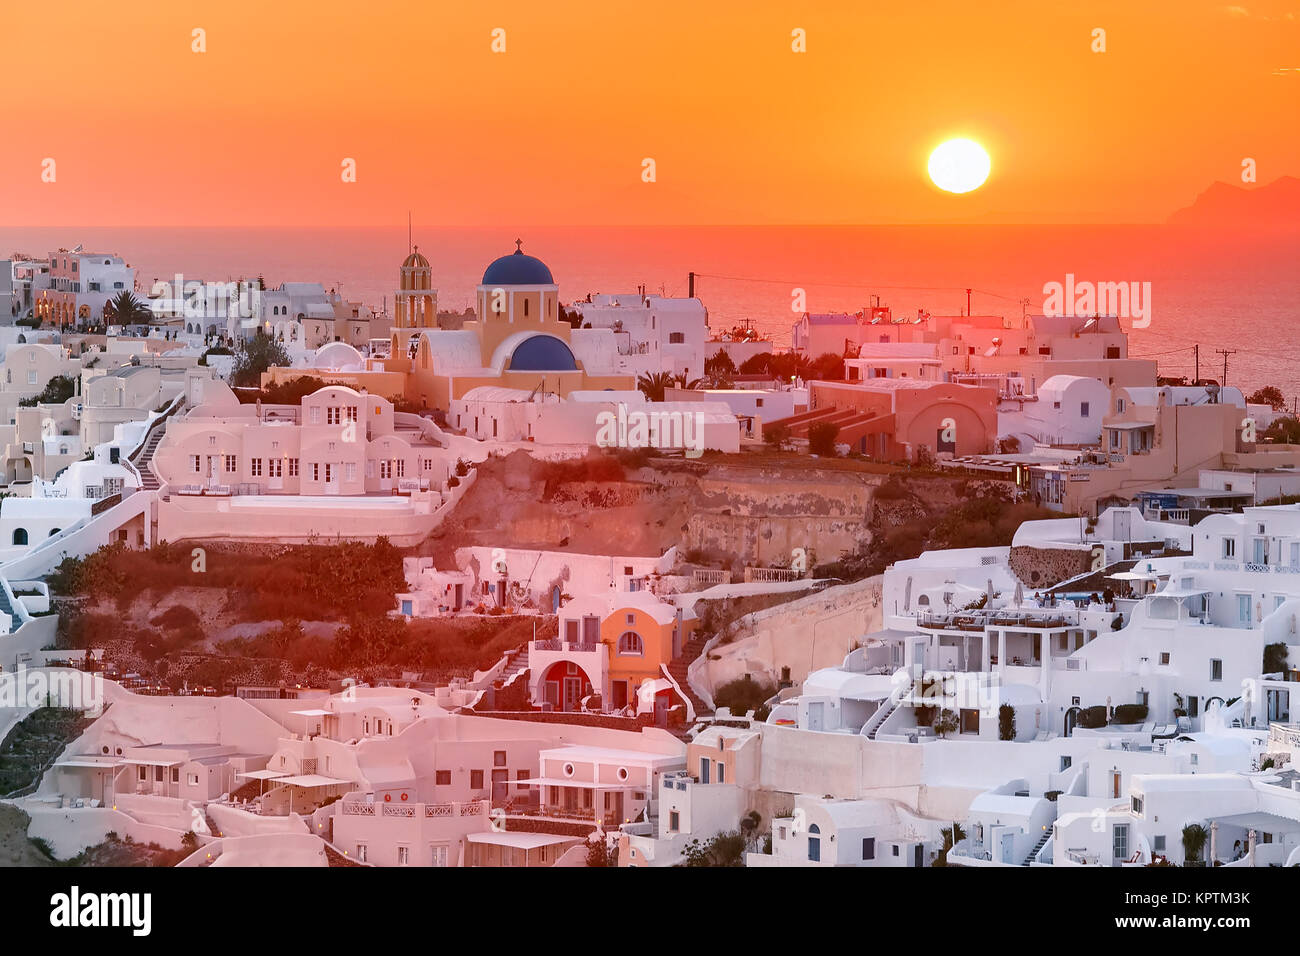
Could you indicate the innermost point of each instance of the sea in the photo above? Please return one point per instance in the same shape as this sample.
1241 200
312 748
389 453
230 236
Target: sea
1224 292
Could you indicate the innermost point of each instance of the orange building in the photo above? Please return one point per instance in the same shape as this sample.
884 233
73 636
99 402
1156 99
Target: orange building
617 645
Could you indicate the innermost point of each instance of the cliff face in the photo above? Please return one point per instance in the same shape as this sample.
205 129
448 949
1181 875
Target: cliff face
1276 205
752 514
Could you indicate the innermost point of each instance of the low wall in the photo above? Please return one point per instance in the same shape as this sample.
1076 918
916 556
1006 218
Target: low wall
232 822
804 635
68 832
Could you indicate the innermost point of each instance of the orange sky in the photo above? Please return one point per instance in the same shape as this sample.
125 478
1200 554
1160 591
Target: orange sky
252 132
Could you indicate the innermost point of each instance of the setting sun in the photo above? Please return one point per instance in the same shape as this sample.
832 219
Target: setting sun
959 166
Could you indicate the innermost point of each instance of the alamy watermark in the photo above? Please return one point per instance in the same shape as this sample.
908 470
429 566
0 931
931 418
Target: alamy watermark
637 428
1125 300
205 300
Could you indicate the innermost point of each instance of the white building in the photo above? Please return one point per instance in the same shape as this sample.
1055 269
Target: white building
650 333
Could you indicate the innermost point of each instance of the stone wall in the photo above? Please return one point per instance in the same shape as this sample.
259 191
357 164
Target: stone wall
1044 567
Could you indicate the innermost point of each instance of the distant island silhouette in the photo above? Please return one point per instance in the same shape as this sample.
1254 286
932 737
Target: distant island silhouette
1274 206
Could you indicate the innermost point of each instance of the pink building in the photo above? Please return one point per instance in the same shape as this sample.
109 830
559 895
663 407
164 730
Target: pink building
343 463
337 442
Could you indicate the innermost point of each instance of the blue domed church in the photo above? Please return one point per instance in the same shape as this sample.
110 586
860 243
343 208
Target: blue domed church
517 340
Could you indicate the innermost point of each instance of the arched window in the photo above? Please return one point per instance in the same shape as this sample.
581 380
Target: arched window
630 644
20 535
814 844
54 531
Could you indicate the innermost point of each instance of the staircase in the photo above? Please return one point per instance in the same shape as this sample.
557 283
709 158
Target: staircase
149 481
7 608
1033 854
678 667
517 660
877 720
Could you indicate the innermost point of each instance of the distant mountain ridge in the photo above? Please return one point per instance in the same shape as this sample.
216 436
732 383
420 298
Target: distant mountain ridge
1272 206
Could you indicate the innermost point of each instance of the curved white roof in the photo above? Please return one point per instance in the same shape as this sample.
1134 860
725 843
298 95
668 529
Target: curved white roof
495 393
338 357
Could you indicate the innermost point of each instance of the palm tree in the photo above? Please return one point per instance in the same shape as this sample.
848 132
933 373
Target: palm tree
124 309
653 386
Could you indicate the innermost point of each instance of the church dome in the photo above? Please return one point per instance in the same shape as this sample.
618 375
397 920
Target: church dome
415 260
518 269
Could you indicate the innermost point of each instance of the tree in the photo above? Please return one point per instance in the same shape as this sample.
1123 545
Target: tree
945 723
827 368
758 364
1194 838
654 385
719 365
724 849
1275 658
254 356
951 837
1269 395
1285 431
821 438
1006 722
57 390
125 309
777 436
600 853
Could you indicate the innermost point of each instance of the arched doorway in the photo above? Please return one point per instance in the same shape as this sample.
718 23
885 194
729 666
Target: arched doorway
564 685
1071 719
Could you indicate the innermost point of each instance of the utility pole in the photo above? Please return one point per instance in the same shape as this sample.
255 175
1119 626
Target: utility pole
1197 349
1225 353
968 292
690 285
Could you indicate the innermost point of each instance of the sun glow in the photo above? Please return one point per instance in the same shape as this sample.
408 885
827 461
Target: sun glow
959 166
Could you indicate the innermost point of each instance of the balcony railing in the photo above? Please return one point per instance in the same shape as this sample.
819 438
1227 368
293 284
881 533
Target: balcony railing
573 647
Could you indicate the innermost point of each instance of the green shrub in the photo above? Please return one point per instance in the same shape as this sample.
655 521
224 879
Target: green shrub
821 438
1092 717
1129 714
743 695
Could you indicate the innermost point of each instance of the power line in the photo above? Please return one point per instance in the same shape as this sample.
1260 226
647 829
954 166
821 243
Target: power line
853 285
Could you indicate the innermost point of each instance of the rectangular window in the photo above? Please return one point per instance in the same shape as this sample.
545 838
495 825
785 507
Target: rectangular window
522 778
196 463
722 772
385 469
403 855
401 467
1243 609
315 471
313 416
293 467
352 413
275 467
476 779
442 778
868 848
1216 669
674 821
350 471
361 852
332 415
1137 805
1083 409
232 463
498 758
192 779
255 467
1229 547
1164 658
